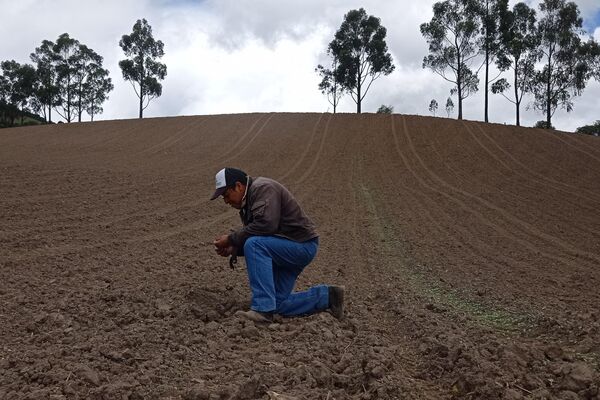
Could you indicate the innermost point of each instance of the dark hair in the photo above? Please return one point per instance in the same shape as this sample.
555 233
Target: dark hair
234 175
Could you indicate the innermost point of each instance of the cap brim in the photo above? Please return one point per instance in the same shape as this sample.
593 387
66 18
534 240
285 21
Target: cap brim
218 192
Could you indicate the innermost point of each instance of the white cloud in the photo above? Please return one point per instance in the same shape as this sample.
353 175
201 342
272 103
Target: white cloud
228 56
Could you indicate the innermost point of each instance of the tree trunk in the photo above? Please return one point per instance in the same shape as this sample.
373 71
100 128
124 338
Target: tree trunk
358 100
459 82
92 113
141 101
68 99
548 116
79 105
487 73
335 95
517 101
142 88
548 95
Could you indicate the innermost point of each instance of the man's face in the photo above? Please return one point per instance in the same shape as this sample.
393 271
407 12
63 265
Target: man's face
234 195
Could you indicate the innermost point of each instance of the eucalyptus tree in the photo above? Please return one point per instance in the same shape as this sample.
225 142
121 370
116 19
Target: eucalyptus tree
329 85
46 94
97 87
361 52
66 53
18 84
566 67
67 71
519 52
92 82
433 106
452 37
493 14
449 106
3 100
590 50
142 69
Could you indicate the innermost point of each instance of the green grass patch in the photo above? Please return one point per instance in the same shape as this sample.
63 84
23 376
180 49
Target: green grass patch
442 299
483 314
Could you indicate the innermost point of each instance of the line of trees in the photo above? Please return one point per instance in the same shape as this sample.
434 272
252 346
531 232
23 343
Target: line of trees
433 106
548 58
68 77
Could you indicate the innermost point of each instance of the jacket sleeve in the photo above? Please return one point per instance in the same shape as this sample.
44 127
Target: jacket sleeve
266 214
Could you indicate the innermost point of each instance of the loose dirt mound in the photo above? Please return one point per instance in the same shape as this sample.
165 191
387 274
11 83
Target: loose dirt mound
470 251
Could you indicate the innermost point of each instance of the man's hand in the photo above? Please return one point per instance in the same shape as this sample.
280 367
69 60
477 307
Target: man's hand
225 251
223 247
222 242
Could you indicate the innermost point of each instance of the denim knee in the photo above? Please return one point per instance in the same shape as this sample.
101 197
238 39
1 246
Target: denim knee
250 242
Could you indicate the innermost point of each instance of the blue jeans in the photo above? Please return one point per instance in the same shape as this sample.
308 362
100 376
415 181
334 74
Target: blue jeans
274 264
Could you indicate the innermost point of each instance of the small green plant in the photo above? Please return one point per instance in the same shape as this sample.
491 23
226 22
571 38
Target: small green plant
543 125
384 109
593 129
433 106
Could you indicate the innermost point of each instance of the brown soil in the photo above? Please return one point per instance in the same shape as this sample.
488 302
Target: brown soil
470 251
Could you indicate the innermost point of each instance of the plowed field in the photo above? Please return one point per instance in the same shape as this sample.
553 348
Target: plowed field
470 253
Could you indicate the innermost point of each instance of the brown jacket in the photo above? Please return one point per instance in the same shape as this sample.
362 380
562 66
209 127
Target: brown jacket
271 210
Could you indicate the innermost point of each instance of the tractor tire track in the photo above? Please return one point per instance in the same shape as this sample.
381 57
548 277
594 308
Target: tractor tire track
432 215
532 189
523 242
558 185
317 157
580 149
172 139
305 152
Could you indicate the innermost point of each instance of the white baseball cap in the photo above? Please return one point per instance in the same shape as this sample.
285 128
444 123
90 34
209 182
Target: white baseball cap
227 177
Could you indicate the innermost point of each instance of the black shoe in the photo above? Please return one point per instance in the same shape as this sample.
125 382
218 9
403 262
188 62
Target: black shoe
336 301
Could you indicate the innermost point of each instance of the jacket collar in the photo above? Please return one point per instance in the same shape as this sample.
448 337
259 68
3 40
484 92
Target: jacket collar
244 209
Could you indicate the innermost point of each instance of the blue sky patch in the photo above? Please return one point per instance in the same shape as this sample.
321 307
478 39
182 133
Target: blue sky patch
590 24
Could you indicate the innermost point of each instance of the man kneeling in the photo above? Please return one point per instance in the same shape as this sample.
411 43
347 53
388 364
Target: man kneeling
278 241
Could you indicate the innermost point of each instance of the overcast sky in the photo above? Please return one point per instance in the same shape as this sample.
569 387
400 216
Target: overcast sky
238 56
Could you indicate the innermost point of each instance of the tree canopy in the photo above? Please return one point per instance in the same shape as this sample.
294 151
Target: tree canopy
433 106
16 87
329 85
519 52
142 68
68 71
566 70
385 109
361 52
452 38
449 106
593 129
493 16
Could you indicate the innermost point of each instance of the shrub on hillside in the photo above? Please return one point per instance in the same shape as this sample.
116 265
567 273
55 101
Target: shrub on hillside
593 129
385 109
543 125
